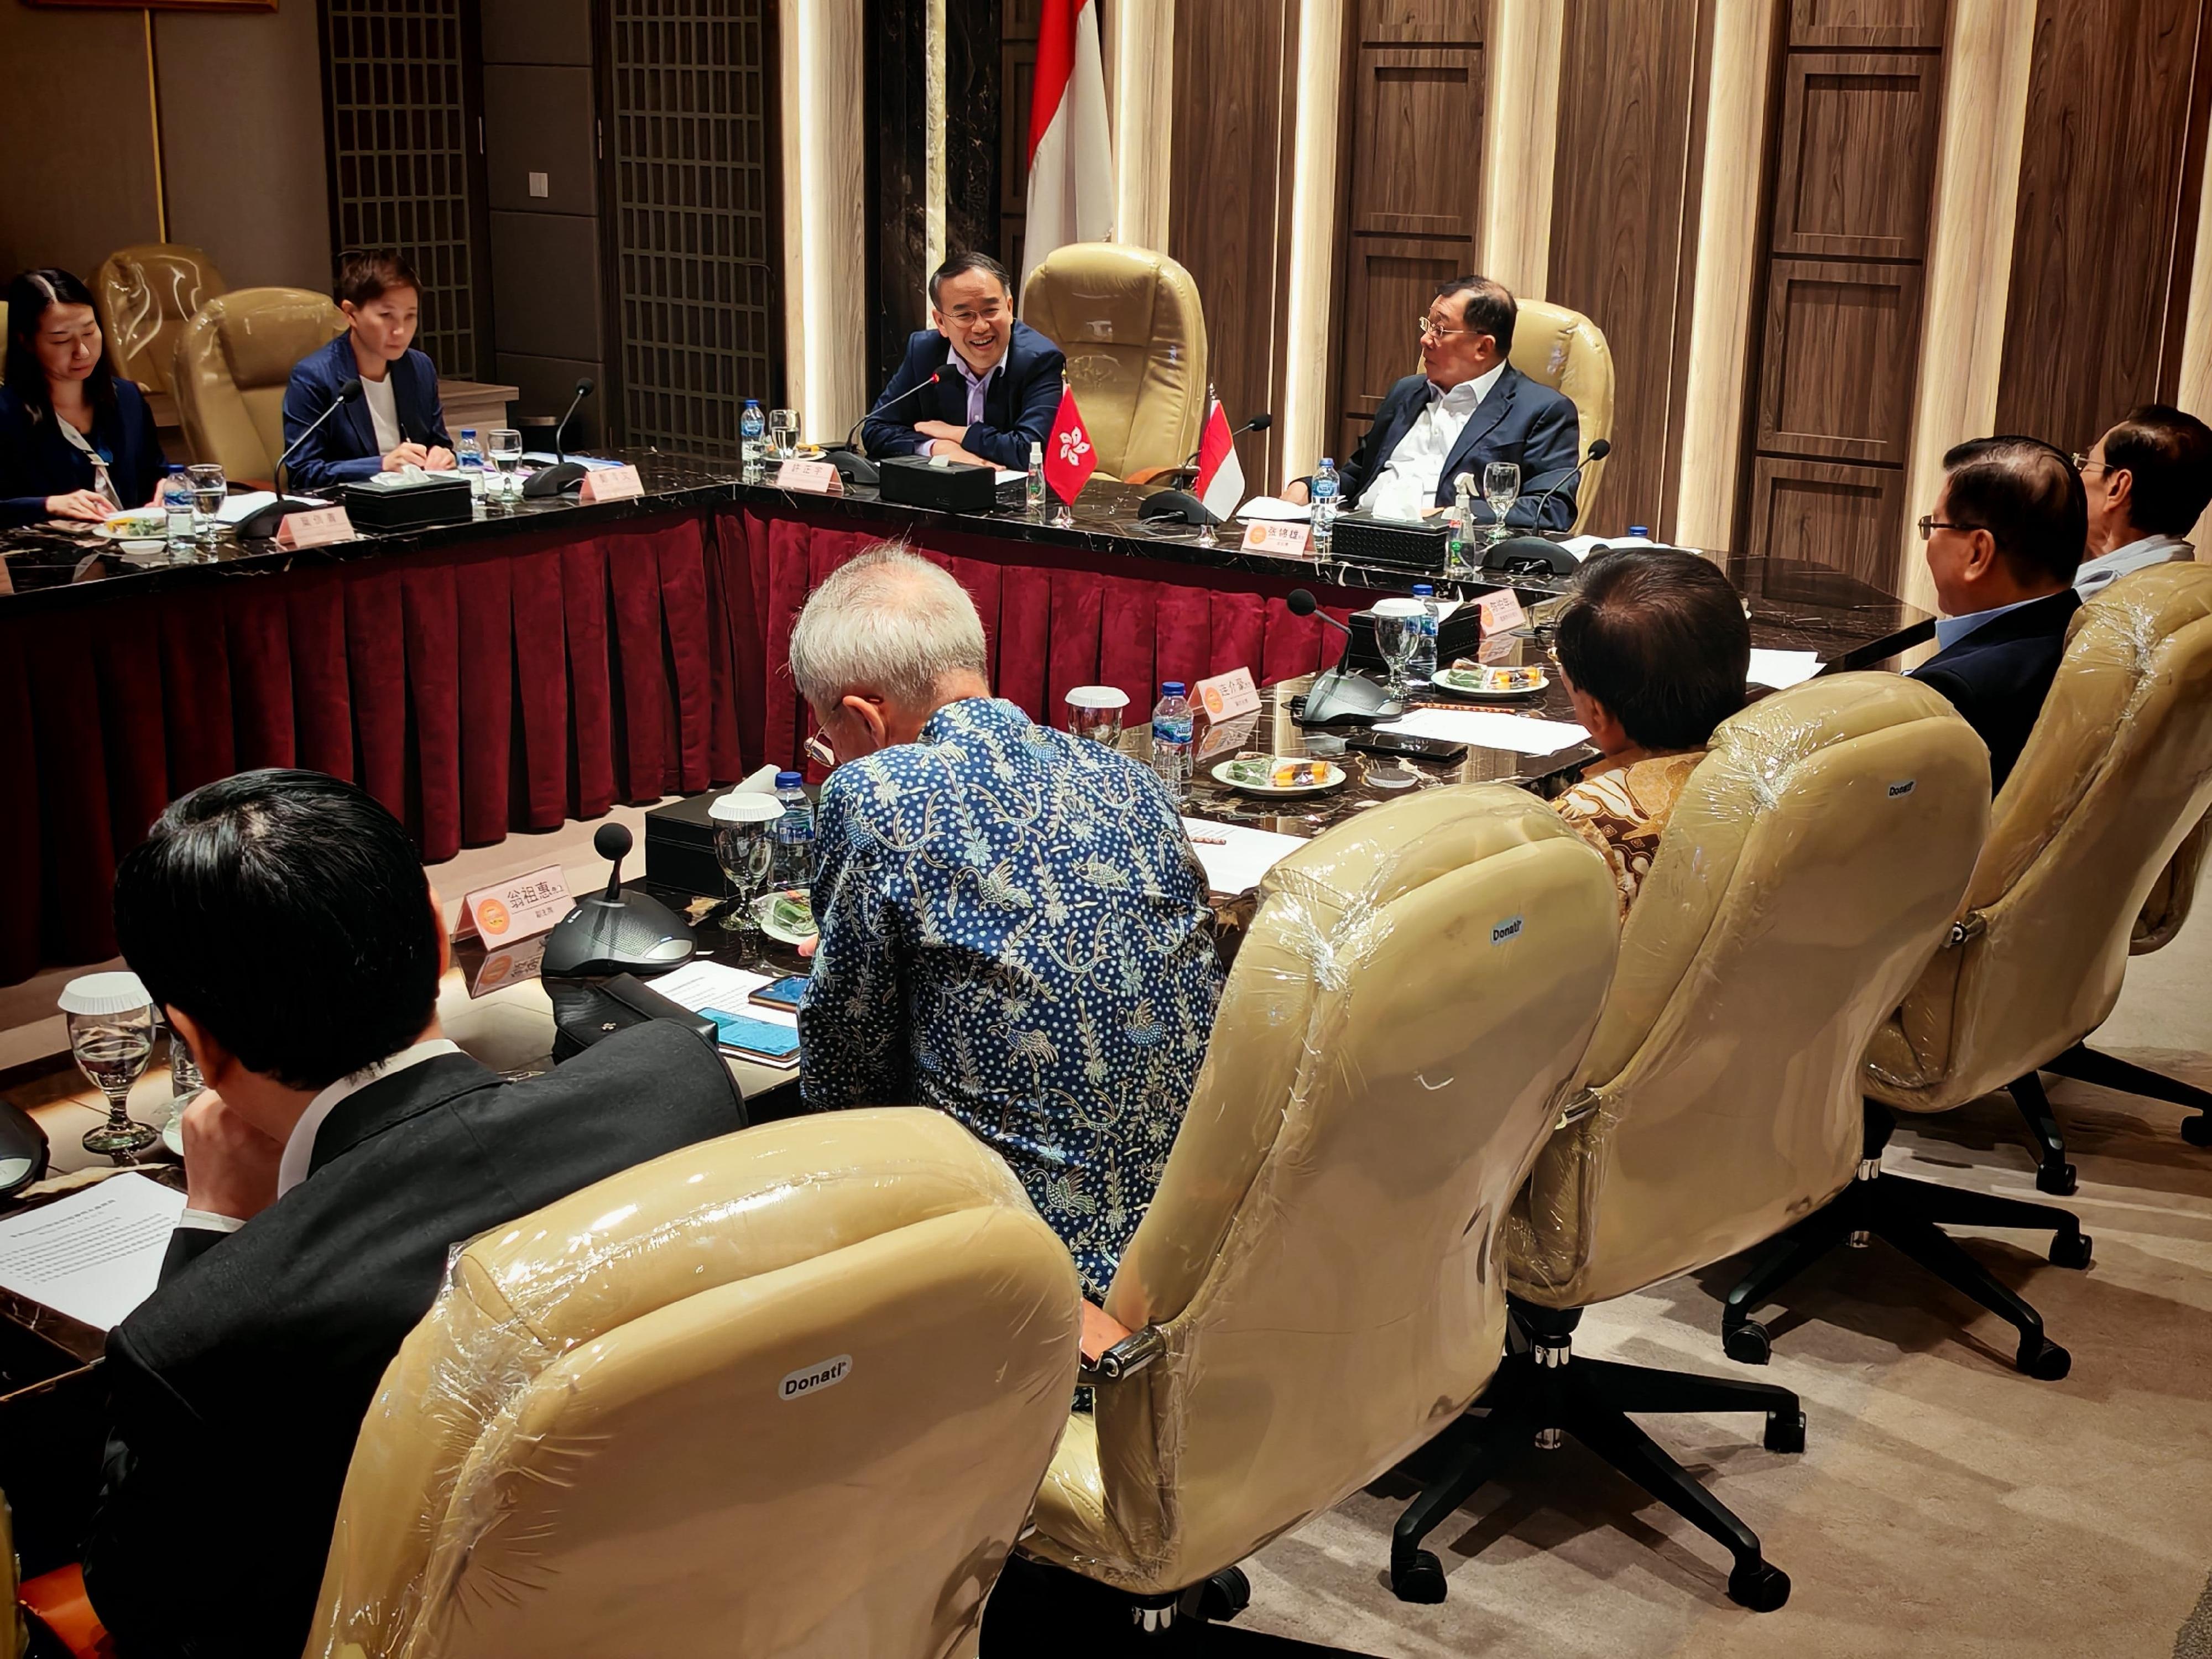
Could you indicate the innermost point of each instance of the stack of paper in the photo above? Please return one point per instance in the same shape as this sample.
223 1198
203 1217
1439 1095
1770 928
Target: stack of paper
1484 728
766 1037
95 1254
1234 857
1783 669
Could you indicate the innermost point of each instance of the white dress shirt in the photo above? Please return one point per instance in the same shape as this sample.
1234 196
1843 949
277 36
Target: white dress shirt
978 387
300 1145
383 412
2098 573
1406 486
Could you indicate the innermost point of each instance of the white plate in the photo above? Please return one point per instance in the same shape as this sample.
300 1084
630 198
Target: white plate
172 1134
1442 681
1255 772
764 914
158 534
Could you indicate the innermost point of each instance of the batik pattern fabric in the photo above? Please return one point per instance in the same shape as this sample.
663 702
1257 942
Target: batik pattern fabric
1623 813
1014 931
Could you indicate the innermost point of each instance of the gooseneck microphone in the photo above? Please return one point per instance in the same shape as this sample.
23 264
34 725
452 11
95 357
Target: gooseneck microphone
1599 449
564 474
1533 553
1300 603
264 521
1338 694
584 389
851 456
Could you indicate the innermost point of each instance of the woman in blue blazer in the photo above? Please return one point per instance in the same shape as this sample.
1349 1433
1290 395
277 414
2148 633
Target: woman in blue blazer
75 441
397 422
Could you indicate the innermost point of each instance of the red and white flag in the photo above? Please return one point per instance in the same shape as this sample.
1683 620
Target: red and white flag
1070 457
1220 475
1071 153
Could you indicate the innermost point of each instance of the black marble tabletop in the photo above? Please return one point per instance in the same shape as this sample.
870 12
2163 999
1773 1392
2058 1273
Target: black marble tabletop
1793 605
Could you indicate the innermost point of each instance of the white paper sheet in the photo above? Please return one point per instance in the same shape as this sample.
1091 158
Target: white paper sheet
1783 669
547 458
93 1255
1581 546
698 985
1007 475
1234 857
1274 507
1485 729
237 508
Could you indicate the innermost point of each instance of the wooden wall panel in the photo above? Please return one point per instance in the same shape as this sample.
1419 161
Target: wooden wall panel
1228 214
2104 240
1624 213
1415 182
1853 148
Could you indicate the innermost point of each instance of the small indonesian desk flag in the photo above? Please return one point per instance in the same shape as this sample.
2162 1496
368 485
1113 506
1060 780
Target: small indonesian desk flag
1070 459
1071 194
1220 475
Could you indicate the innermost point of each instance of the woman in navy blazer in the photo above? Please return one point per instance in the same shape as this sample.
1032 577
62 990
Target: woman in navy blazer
75 441
397 421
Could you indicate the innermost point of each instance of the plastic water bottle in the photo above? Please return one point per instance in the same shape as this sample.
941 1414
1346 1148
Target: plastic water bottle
1172 729
177 506
1036 481
1323 490
794 833
752 424
1422 666
469 460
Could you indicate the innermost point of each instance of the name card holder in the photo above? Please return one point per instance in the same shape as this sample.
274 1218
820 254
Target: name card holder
1285 541
1502 612
516 909
612 484
1227 696
317 528
810 477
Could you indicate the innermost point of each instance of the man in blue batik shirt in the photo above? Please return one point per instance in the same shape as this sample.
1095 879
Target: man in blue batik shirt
1013 927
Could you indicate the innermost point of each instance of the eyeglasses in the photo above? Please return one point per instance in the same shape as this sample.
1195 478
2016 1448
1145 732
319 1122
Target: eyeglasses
1929 523
819 751
1425 326
2082 463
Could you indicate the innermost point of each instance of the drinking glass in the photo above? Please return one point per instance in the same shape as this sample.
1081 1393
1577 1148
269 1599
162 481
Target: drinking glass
1096 712
111 1050
209 490
505 448
783 433
1397 630
745 824
1501 487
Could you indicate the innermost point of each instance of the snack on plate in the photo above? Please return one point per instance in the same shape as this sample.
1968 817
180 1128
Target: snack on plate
1297 773
140 522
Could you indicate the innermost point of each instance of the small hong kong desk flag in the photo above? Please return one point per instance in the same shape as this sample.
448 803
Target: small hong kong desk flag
1069 458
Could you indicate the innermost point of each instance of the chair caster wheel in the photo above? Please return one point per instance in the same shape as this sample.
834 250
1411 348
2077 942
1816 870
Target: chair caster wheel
2197 1131
1747 1343
2043 1359
2057 1179
1759 1585
1224 1595
1785 1431
1421 1579
2070 1251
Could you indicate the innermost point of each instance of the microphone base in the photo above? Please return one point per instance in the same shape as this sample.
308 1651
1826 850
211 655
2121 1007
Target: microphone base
1337 696
854 467
562 478
1529 554
260 525
1179 505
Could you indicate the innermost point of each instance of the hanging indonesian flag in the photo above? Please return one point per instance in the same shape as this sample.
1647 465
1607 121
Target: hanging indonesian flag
1070 459
1220 475
1071 156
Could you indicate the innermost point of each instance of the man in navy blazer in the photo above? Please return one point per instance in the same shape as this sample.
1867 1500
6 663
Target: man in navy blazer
1467 408
2004 542
998 382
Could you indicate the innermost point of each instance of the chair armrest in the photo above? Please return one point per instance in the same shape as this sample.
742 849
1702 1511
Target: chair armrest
1171 476
57 1600
1111 1351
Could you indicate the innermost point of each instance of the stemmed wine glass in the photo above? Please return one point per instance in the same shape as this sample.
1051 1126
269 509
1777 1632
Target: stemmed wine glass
111 1032
783 433
1501 487
1397 630
744 846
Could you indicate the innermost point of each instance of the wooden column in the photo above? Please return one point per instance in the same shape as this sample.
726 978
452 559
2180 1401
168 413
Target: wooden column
1310 328
1513 245
825 257
1139 48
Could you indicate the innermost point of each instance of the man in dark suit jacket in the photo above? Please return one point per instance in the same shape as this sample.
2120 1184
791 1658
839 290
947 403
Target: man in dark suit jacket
1467 408
343 1149
398 420
998 381
2003 542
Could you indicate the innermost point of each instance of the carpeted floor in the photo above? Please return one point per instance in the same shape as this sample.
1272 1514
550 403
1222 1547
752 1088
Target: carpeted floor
1944 1503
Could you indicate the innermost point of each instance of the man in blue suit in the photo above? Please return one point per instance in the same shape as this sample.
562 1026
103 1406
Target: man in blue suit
998 382
397 421
2004 542
1467 408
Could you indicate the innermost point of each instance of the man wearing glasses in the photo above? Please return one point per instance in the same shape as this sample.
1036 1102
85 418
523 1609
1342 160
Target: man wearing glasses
997 380
2148 479
1467 408
2003 544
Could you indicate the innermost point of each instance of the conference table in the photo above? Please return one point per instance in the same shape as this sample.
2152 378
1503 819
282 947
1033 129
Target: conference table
547 659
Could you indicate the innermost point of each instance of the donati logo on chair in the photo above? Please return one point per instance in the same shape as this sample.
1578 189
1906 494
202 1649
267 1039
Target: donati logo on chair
1508 929
1899 791
813 1379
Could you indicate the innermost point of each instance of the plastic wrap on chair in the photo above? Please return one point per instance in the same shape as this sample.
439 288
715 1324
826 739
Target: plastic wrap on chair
2166 906
1321 1256
233 359
1811 867
2116 774
1566 351
788 1392
147 293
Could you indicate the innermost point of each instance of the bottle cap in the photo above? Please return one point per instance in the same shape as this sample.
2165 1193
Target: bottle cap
1325 461
1172 688
790 779
468 432
1424 591
752 403
1639 530
104 994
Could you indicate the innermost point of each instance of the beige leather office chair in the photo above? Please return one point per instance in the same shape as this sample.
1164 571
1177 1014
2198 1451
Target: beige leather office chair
1567 352
1314 1291
1130 322
1810 867
147 293
2116 774
233 359
785 1392
2166 906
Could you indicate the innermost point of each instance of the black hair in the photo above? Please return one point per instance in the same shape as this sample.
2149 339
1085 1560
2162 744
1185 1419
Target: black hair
286 912
959 263
30 297
1490 308
1660 638
2169 454
2027 495
366 273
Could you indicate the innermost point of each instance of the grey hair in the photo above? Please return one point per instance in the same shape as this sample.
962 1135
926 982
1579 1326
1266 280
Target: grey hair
888 620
